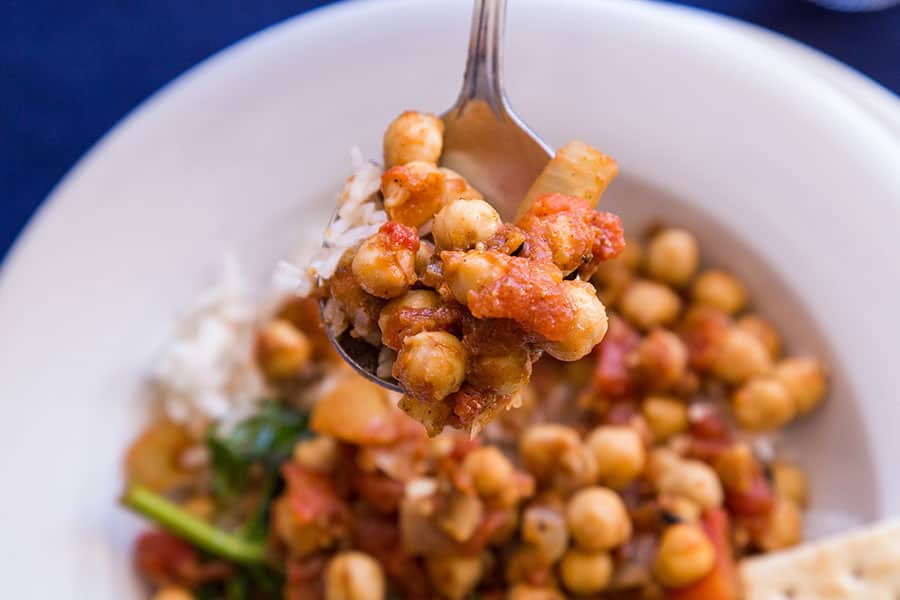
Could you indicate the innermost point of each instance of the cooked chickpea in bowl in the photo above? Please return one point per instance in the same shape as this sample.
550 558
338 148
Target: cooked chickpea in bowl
627 463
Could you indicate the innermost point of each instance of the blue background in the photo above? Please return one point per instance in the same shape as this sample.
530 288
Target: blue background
69 69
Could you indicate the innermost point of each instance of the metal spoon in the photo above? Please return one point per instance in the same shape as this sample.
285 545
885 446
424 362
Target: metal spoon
484 141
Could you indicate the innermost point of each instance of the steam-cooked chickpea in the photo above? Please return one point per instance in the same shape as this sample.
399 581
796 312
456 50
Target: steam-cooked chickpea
554 454
612 279
673 256
684 555
282 349
585 573
665 416
736 468
389 320
721 290
423 256
661 359
544 528
790 483
454 576
804 378
597 519
632 255
354 575
648 304
589 327
385 264
413 136
763 403
456 187
523 591
468 271
502 369
463 223
764 331
319 453
173 593
489 469
431 365
785 526
688 478
740 357
619 452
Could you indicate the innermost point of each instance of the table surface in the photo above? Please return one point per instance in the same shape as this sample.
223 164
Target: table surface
70 70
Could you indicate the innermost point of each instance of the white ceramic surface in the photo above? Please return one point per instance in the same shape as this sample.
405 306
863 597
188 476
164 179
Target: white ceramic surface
791 183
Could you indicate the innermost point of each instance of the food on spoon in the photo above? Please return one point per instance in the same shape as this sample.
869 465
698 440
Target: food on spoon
473 302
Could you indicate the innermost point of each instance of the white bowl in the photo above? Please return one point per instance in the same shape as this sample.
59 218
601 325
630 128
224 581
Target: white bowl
787 181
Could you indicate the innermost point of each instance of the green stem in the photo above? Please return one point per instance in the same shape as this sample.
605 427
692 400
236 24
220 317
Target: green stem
200 533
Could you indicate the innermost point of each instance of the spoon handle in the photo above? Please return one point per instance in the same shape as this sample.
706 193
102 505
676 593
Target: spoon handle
484 78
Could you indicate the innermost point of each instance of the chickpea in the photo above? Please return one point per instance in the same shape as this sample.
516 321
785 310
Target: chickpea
202 507
385 264
554 454
319 453
413 136
454 576
763 403
661 358
632 255
740 357
585 573
456 187
648 304
736 468
665 416
503 369
282 349
431 365
597 519
684 509
354 575
470 271
173 593
785 526
612 278
764 331
490 470
413 193
804 378
423 256
588 328
790 483
389 322
672 256
719 289
691 479
619 452
545 529
463 223
532 592
684 556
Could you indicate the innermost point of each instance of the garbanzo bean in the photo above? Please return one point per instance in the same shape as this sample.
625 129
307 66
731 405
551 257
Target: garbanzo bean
648 304
719 289
385 264
545 529
431 365
740 357
597 519
790 482
413 136
413 192
684 555
173 593
463 223
457 187
619 452
454 576
319 453
689 478
282 349
389 319
661 359
665 416
354 575
632 255
589 327
473 270
489 469
804 378
764 331
523 591
585 573
736 468
672 256
785 526
555 455
763 403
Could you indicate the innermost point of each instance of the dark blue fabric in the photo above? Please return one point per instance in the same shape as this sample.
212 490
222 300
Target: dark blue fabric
70 69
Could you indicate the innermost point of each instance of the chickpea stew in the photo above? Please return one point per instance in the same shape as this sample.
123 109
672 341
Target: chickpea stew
637 467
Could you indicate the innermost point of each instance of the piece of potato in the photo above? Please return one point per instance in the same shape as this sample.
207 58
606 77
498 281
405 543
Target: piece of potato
576 170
